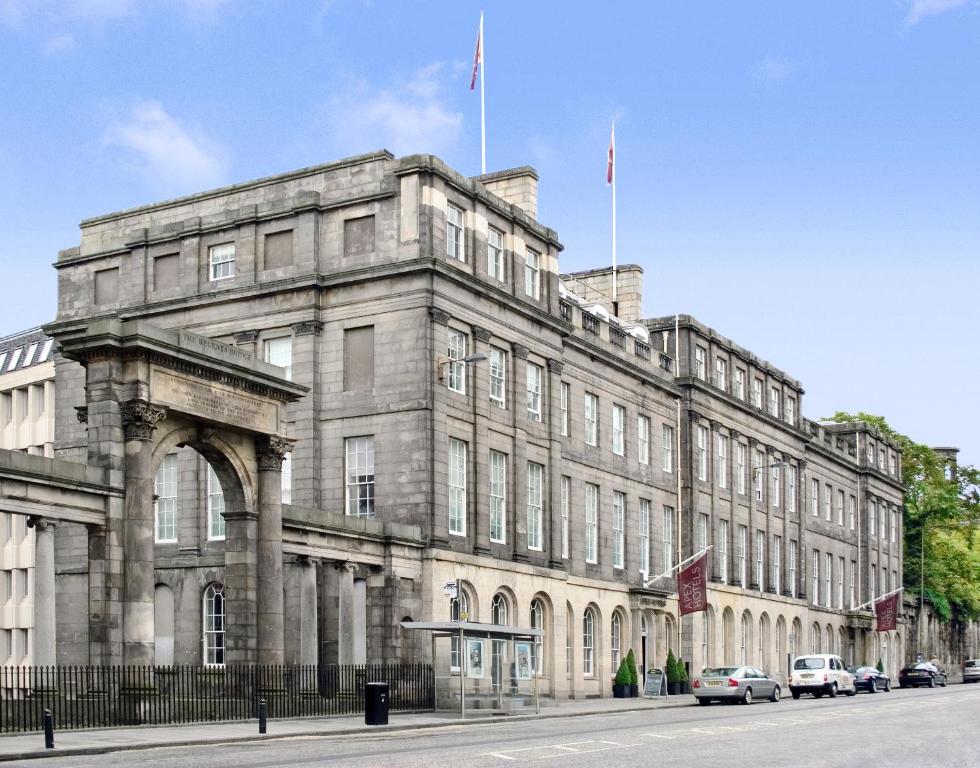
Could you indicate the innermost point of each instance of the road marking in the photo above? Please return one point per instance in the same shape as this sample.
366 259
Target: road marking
701 730
500 755
763 722
658 736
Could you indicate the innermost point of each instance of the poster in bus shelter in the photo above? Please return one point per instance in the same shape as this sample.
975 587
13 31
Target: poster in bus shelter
523 653
474 656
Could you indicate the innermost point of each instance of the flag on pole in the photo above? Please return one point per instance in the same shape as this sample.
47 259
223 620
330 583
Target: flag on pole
478 55
611 158
886 612
692 586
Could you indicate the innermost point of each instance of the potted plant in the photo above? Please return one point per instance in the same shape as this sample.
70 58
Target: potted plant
634 677
682 681
621 685
880 667
673 681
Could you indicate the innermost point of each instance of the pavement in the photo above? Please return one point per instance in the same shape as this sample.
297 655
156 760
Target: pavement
98 741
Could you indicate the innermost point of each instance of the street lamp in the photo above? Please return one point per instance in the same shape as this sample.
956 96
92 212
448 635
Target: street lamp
443 361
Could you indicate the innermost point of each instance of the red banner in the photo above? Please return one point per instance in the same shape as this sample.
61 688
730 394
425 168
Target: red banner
886 612
692 586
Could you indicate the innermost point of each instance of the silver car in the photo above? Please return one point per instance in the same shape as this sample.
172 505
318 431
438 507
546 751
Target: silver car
743 684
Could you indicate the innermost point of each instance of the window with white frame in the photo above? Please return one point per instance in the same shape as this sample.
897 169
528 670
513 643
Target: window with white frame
535 376
851 511
883 518
532 273
221 261
457 486
815 597
739 383
535 494
591 419
537 622
495 254
643 439
758 469
286 479
667 447
216 507
722 461
615 640
840 507
280 352
791 489
740 467
667 552
790 410
776 563
699 363
459 610
702 442
569 643
564 398
894 527
776 485
881 459
741 555
760 558
566 508
359 473
892 463
498 376
457 349
619 529
498 496
591 523
723 550
214 625
454 233
757 393
618 430
828 578
840 583
644 528
874 581
588 643
774 401
827 490
498 610
872 517
702 531
721 373
792 568
165 506
852 583
814 493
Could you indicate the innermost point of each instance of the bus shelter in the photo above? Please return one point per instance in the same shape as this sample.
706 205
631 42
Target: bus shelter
487 667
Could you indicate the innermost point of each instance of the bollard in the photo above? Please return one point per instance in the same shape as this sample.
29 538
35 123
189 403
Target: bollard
262 715
48 729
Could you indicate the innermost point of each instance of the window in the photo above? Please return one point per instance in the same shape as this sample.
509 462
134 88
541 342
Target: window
591 523
883 518
723 550
566 501
814 493
760 558
644 538
359 358
286 486
668 539
216 507
740 467
815 597
643 439
721 373
872 517
774 401
743 543
29 357
15 358
840 507
792 568
702 531
165 507
591 419
588 643
826 501
277 248
667 446
457 487
495 254
757 471
565 396
45 351
459 610
874 581
618 430
280 352
107 286
498 486
360 476
852 583
757 393
214 625
458 348
702 436
498 377
791 491
775 484
221 259
840 583
534 377
881 459
870 453
851 507
498 610
537 622
454 233
828 578
619 529
891 464
776 561
615 640
790 410
739 383
699 364
722 461
532 274
535 480
894 527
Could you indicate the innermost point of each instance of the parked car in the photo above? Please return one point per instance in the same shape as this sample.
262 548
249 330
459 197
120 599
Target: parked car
924 673
820 673
870 679
971 671
744 684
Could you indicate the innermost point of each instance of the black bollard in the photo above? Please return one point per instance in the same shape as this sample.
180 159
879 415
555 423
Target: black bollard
262 715
48 729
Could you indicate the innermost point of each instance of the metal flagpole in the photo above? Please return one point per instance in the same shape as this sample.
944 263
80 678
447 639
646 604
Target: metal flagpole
677 567
483 101
612 150
875 600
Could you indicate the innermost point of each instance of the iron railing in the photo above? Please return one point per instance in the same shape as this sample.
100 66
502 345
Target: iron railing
93 697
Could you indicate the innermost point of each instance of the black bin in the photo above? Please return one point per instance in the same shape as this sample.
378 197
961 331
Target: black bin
376 704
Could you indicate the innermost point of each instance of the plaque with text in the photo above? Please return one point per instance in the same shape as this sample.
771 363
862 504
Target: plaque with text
213 401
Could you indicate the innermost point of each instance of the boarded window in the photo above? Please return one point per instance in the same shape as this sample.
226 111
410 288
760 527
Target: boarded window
359 236
165 272
107 286
279 249
359 358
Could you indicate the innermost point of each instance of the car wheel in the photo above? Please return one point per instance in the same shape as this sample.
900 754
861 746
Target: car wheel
775 694
817 694
943 682
747 696
833 690
704 702
888 685
901 685
932 682
852 692
873 688
795 694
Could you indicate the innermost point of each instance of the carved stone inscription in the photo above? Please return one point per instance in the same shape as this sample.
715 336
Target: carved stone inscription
216 349
213 401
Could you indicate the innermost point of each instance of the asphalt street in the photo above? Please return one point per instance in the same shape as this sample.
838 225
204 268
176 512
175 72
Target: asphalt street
913 728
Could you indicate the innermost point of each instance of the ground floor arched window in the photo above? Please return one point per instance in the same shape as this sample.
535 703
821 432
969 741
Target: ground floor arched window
588 643
458 607
214 625
537 622
615 641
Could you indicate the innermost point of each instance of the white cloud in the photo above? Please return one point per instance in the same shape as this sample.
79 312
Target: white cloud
59 44
774 69
412 116
921 9
172 157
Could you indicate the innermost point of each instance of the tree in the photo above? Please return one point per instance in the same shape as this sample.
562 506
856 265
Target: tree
631 663
941 515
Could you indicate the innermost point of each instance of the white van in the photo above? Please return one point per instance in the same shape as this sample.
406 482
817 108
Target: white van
820 673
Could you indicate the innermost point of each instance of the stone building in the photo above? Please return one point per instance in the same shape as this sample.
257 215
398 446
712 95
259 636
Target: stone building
451 410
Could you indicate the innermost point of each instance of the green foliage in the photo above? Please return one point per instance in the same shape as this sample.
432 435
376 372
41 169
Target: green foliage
671 667
880 667
623 675
631 663
940 525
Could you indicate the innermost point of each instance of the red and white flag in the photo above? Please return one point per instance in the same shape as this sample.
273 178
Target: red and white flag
886 612
478 55
692 586
611 157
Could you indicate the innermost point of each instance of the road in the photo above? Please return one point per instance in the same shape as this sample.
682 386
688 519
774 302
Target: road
915 728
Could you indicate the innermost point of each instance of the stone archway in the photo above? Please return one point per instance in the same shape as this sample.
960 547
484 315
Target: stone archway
149 390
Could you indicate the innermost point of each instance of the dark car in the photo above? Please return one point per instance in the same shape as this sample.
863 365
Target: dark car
924 673
870 679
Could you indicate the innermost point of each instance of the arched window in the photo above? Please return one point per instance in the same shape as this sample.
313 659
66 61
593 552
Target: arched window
569 639
728 636
707 620
746 639
829 639
588 643
780 644
214 625
615 637
458 607
815 638
498 609
537 622
763 660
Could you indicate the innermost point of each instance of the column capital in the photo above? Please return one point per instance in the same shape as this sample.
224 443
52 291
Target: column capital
439 315
801 463
555 366
81 413
246 337
270 450
481 334
140 418
308 327
753 441
734 434
715 425
41 524
693 415
520 351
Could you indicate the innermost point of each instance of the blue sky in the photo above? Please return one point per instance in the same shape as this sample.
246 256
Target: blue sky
805 178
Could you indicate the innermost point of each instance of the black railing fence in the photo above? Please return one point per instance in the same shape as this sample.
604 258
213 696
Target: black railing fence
92 697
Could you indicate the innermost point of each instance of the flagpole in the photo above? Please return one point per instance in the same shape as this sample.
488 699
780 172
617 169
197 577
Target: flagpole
882 597
614 175
483 101
680 565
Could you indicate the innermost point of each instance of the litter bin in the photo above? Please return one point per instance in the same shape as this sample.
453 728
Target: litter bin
376 704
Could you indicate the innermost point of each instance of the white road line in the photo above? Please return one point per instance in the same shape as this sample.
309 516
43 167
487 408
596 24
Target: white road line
659 736
763 722
501 755
701 730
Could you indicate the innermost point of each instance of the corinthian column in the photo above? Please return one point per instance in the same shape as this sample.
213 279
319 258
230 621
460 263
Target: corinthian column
270 451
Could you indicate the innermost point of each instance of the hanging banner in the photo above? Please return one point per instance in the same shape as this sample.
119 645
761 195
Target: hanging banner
886 612
692 586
